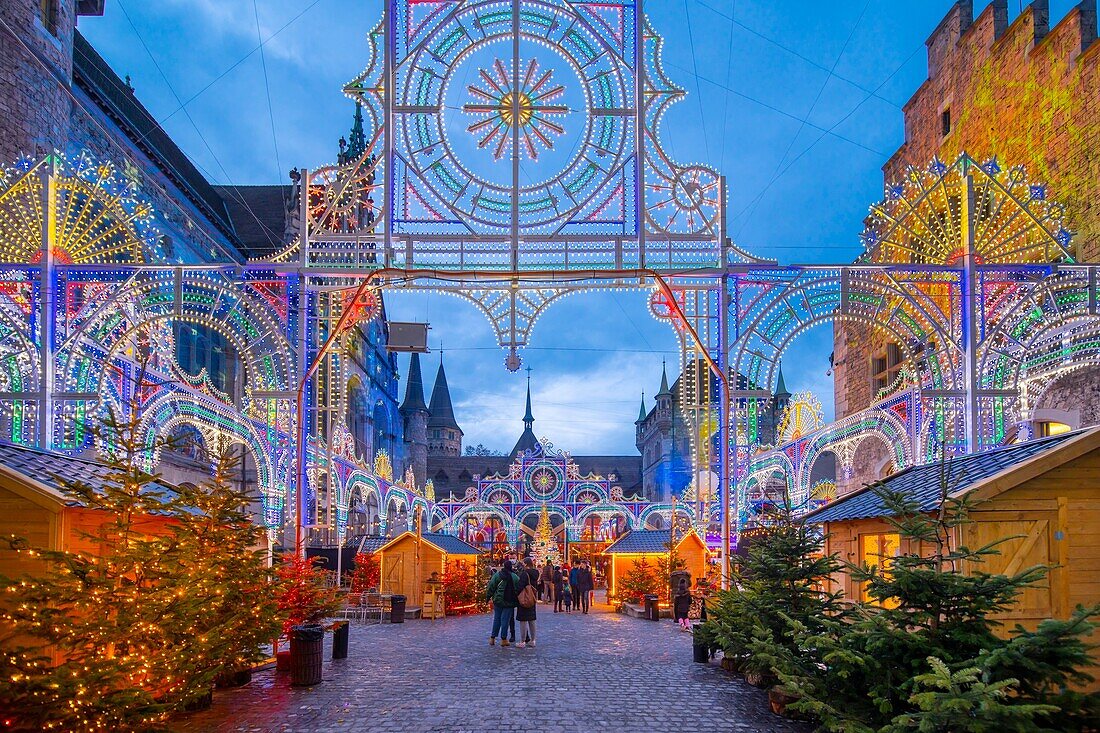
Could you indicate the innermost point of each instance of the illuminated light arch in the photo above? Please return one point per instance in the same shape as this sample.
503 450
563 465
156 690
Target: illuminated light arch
210 300
603 508
787 310
920 219
664 511
577 489
367 485
533 510
217 426
97 217
847 433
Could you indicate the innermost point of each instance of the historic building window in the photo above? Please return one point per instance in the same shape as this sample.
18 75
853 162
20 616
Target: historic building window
357 419
885 367
879 550
1048 428
47 13
945 122
199 347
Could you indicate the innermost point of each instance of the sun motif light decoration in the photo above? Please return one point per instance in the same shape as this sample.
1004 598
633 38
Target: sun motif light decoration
802 416
528 107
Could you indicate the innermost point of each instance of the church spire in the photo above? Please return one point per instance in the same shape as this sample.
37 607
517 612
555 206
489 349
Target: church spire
527 439
357 140
443 414
664 391
780 385
414 387
528 418
641 411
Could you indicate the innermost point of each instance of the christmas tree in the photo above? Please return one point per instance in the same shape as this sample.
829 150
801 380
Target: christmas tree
222 573
367 574
545 547
139 617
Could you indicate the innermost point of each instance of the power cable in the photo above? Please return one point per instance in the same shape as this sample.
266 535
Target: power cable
238 196
239 61
267 88
819 139
795 53
777 110
698 91
817 98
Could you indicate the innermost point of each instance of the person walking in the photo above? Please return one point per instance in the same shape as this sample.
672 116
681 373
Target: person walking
575 574
528 604
503 591
585 585
559 581
567 593
546 582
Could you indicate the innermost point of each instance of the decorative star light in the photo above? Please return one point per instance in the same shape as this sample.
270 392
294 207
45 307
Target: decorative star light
498 109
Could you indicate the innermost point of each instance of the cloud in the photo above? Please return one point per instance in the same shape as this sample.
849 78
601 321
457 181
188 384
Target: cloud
586 411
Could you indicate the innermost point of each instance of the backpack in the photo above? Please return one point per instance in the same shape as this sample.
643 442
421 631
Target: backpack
528 597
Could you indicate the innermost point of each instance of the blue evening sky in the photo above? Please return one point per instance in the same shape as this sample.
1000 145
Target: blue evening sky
798 104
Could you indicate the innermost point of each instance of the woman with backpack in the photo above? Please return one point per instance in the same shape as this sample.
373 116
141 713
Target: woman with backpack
503 591
528 601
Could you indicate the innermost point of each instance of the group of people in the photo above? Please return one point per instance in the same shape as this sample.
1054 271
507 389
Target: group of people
567 587
516 589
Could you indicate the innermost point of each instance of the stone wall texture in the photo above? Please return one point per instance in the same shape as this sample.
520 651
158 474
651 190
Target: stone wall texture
1025 92
35 77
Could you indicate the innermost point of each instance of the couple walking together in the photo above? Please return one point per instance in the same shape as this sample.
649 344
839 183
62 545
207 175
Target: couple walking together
514 590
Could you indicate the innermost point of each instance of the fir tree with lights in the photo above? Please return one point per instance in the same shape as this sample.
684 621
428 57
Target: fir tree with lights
222 576
164 593
367 573
545 547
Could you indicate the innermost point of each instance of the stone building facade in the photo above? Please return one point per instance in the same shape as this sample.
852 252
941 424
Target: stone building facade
36 41
663 436
1027 92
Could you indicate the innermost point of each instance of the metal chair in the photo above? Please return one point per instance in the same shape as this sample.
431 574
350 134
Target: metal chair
370 604
352 609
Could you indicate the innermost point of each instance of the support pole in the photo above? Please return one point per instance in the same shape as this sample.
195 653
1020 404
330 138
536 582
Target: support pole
47 300
725 483
970 318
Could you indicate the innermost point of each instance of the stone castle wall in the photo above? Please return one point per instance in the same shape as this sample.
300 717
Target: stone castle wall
35 75
1025 92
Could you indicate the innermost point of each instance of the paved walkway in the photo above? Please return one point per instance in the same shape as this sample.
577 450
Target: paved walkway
603 672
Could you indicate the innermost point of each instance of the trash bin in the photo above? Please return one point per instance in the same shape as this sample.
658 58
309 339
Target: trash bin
397 610
652 610
699 648
306 651
340 640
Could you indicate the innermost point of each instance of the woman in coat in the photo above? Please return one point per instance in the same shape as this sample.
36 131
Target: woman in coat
559 589
528 576
503 591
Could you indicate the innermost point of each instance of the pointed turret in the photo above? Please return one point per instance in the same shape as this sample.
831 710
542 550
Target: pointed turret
357 140
415 415
641 411
780 385
528 418
444 435
414 387
527 439
443 414
664 391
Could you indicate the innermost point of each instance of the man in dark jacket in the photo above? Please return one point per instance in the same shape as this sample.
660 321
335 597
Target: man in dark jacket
585 585
559 589
503 591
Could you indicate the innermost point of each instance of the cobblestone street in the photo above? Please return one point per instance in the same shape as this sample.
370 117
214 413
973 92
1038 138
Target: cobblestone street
601 672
